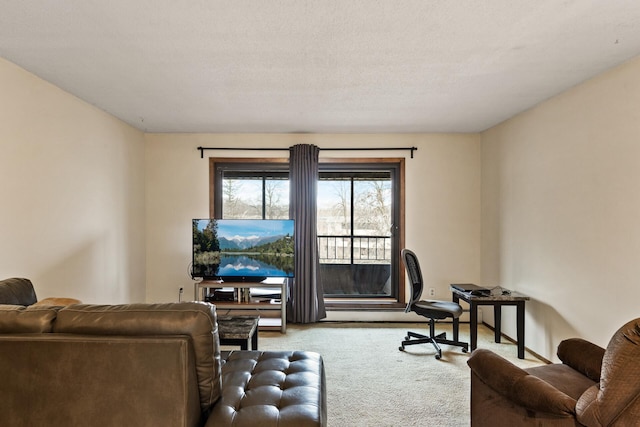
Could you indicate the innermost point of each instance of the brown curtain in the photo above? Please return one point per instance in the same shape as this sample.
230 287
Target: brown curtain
306 298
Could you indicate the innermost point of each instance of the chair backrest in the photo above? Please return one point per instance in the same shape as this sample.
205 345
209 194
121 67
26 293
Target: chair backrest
616 398
412 266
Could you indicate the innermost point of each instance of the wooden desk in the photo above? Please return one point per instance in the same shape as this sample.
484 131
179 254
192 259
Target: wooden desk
497 299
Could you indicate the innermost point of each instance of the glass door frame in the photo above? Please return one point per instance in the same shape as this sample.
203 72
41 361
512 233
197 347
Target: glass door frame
215 186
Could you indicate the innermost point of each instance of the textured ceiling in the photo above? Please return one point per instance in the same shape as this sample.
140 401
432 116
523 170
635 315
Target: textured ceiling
321 66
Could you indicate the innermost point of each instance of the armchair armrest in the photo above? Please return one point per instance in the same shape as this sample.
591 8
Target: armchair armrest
583 356
518 386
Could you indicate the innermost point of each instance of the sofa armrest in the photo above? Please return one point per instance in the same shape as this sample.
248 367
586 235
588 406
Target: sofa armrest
516 385
17 291
583 356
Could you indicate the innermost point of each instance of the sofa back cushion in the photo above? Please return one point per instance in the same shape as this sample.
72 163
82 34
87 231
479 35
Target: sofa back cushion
70 380
616 399
196 320
18 319
17 291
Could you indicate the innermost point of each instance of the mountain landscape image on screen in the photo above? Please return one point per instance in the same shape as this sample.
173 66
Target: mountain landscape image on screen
239 243
243 249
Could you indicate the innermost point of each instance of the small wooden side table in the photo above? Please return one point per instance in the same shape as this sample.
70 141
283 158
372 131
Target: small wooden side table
239 330
497 299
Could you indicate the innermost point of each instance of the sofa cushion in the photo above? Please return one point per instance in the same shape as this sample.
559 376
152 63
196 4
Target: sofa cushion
284 388
18 319
17 291
563 377
196 320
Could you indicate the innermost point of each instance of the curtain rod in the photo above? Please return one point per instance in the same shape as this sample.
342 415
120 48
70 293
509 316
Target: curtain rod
202 149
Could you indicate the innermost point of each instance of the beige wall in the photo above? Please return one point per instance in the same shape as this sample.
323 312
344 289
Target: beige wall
560 210
443 200
94 212
72 194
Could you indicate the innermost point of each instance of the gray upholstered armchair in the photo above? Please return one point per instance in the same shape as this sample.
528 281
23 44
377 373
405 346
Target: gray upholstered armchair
591 387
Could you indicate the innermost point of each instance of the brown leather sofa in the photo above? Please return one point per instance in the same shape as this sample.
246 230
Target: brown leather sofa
591 387
146 365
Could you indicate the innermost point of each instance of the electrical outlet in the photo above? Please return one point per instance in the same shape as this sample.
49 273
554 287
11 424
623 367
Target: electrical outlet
432 292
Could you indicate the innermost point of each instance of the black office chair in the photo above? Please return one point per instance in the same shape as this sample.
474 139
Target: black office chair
430 309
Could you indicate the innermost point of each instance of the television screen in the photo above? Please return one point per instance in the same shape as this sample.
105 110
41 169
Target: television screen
247 250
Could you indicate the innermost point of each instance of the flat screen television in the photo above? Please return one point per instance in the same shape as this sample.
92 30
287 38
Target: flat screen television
242 250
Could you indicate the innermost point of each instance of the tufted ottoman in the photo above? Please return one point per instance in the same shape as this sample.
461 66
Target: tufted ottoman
272 388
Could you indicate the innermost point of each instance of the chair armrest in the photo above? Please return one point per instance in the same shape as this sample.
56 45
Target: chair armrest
516 385
583 356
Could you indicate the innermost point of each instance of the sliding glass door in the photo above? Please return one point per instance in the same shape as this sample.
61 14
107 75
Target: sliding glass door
359 214
355 240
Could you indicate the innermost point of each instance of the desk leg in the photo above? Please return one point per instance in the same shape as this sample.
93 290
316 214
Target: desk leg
456 321
520 327
497 316
473 326
254 340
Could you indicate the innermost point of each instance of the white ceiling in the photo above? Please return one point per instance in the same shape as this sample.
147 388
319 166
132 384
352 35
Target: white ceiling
320 66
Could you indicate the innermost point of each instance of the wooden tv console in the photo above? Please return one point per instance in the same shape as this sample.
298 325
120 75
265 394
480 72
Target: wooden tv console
265 308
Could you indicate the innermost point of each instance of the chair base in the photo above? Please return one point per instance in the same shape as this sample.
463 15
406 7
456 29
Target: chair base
435 340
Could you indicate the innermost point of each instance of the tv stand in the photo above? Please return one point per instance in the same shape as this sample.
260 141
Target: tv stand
264 308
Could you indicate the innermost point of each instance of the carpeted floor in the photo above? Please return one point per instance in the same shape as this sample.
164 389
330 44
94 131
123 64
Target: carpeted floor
371 383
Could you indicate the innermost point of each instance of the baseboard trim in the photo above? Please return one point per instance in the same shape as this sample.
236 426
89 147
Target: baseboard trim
508 338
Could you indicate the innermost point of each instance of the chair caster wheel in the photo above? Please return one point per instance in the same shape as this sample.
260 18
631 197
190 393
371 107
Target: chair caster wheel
464 350
407 338
401 348
438 356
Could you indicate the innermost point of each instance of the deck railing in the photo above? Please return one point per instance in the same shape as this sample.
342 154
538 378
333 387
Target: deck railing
354 249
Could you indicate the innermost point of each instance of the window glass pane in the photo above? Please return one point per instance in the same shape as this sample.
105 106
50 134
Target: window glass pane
242 198
372 221
334 221
354 237
334 208
276 199
372 208
255 195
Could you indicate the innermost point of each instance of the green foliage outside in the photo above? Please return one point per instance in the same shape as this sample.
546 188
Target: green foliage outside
283 246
